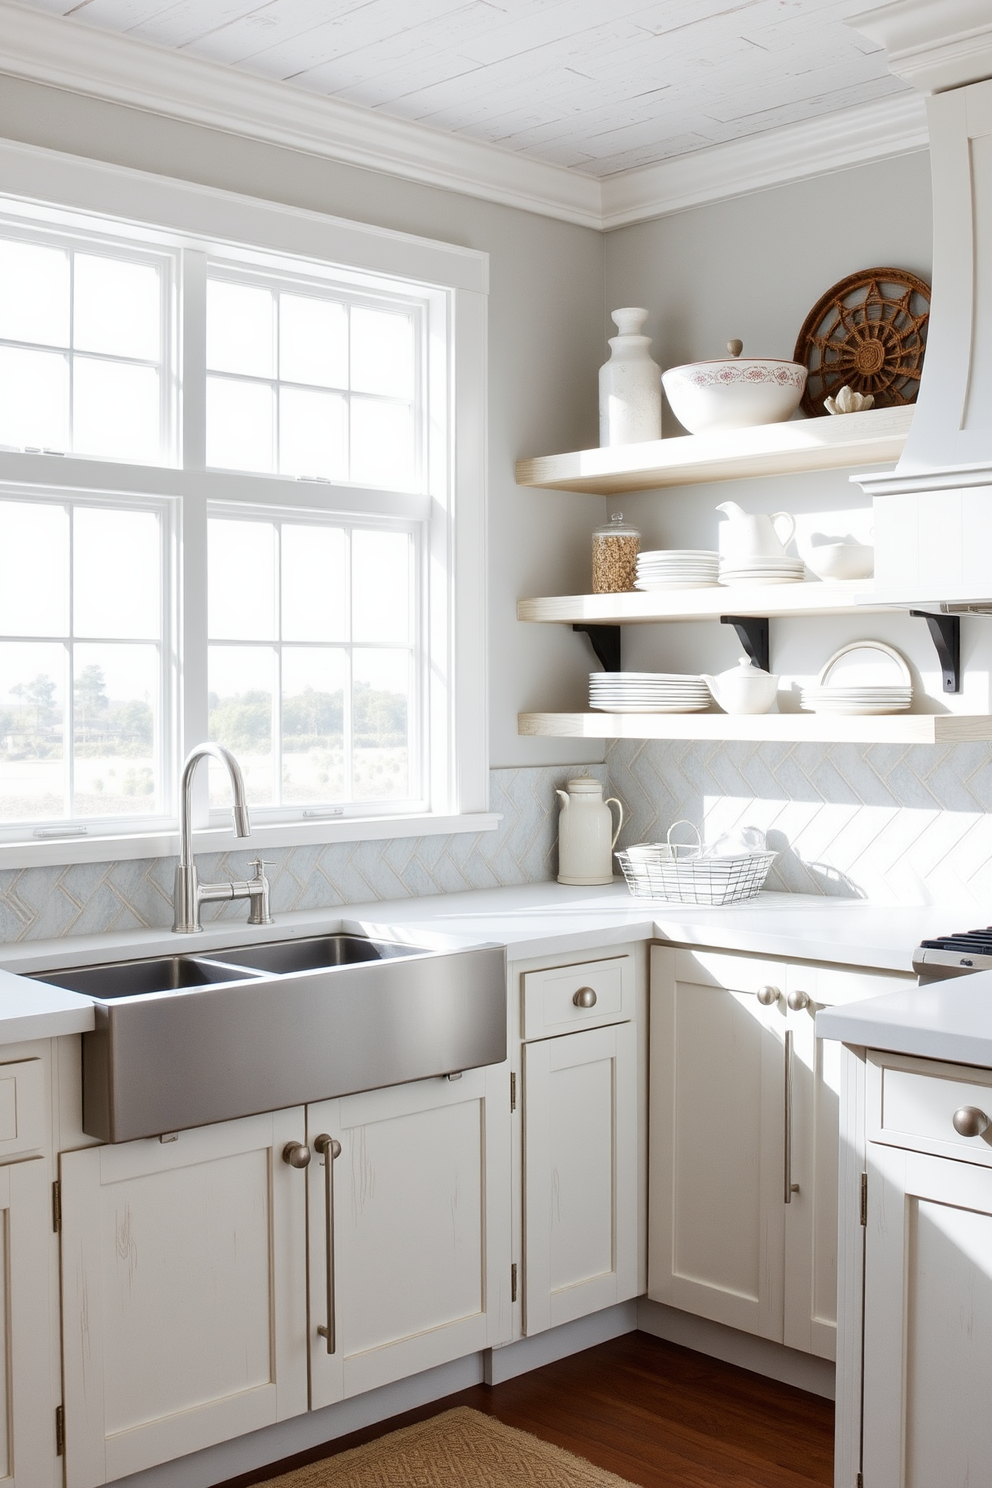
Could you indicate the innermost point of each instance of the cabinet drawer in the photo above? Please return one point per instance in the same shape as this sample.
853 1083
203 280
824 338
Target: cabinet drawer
549 996
911 1104
22 1107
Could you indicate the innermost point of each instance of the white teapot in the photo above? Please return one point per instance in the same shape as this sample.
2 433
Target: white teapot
752 535
744 688
585 833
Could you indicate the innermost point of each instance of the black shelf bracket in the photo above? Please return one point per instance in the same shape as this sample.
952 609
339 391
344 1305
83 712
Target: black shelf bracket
605 641
752 632
945 632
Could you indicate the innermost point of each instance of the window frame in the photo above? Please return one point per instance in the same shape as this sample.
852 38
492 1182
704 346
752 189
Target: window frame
201 224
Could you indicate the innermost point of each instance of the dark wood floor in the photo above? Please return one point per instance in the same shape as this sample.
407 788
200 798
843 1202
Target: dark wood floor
655 1414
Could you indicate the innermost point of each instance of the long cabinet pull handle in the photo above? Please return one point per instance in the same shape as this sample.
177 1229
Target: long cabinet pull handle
790 1187
329 1148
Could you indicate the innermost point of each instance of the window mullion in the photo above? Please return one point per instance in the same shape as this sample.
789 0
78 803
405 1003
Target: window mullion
193 361
193 669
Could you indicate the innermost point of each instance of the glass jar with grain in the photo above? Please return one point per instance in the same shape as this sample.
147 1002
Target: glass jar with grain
614 556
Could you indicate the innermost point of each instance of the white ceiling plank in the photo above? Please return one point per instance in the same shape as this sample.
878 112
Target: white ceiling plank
600 86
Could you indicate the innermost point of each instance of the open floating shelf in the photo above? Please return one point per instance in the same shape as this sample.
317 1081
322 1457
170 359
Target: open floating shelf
873 438
853 597
797 728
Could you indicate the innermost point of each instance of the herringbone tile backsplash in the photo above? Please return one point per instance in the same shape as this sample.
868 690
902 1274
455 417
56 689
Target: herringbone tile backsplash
904 824
90 898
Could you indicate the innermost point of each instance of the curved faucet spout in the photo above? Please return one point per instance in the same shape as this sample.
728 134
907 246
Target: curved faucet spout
239 805
189 892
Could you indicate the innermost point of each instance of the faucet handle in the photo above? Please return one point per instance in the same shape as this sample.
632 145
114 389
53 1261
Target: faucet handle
260 865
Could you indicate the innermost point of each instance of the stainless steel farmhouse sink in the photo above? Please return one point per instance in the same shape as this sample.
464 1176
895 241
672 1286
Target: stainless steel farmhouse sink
186 1040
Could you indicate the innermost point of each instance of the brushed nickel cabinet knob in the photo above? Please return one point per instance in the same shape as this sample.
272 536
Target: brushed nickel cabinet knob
969 1121
585 998
297 1154
798 1000
768 996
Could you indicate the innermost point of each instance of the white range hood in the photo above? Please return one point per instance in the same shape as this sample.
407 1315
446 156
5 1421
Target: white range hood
933 514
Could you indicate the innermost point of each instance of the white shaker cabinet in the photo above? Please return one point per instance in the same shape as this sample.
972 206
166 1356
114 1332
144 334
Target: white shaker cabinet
928 1277
581 1139
27 1423
183 1293
417 1228
744 1141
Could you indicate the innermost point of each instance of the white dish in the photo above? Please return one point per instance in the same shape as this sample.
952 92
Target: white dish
842 561
866 664
856 710
652 707
742 580
648 586
664 554
646 677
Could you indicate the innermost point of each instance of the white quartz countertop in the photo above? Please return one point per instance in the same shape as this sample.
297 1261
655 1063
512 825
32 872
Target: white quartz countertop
530 920
949 1020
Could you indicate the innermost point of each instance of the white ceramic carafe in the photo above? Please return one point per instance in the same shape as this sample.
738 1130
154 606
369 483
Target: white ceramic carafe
585 833
750 536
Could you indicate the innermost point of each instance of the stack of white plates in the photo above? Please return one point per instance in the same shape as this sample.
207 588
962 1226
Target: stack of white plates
677 568
762 571
864 677
647 692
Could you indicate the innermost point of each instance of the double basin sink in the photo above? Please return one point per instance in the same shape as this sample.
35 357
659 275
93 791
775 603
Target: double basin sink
189 1039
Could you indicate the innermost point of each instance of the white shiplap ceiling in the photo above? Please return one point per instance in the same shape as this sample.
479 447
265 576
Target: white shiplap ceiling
597 86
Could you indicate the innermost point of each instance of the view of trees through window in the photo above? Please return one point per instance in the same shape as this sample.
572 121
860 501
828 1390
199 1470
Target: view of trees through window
311 687
80 663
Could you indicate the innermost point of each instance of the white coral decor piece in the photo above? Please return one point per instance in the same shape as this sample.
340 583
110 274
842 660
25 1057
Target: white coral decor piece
848 401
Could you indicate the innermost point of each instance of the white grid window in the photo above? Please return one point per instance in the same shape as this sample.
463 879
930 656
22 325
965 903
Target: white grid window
84 349
313 685
84 660
302 382
228 488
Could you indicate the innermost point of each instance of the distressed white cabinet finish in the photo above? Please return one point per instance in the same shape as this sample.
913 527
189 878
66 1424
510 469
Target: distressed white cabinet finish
744 1142
581 1096
420 1230
928 1278
580 1174
27 1420
183 1291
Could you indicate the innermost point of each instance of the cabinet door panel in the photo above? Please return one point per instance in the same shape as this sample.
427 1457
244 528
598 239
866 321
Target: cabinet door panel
184 1293
27 1456
420 1230
717 1155
928 1322
811 1217
580 1174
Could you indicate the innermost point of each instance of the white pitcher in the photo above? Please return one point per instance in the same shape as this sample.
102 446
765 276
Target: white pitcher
585 833
750 535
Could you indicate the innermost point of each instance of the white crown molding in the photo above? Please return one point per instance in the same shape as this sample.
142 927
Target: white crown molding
874 131
82 59
933 44
101 64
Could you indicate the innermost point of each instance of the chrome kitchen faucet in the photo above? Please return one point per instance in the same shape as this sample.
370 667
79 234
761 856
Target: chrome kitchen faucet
189 892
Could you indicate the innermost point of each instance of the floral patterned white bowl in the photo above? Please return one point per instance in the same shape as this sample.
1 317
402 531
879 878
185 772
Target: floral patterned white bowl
734 393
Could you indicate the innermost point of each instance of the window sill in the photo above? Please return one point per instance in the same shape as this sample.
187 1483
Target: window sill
104 849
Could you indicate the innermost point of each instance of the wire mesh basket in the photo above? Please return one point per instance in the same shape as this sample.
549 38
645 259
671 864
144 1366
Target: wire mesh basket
684 874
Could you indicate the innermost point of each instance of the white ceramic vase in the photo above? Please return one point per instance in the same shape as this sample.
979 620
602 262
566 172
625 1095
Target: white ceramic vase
629 384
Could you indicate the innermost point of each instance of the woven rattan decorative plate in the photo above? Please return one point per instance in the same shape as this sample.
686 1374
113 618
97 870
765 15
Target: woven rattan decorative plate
868 332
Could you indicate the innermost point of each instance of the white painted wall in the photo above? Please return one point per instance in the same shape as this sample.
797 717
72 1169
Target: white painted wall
546 310
752 268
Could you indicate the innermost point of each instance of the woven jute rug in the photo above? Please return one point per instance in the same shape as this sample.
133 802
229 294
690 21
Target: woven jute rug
461 1448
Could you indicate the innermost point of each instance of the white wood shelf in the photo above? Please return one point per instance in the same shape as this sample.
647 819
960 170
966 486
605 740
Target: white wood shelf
775 601
873 438
891 728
